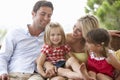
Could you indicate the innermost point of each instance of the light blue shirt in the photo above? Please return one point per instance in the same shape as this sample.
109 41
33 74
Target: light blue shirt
19 51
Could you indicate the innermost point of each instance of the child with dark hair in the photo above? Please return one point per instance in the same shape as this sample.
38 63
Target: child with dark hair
101 62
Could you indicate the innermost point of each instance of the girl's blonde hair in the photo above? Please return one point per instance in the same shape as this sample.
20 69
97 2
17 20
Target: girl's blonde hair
88 22
48 28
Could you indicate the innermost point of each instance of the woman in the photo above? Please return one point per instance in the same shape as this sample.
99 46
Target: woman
76 39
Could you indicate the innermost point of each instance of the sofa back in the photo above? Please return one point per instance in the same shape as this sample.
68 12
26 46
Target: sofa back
115 43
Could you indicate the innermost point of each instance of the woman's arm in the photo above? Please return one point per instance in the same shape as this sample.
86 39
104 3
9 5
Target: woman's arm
112 59
114 33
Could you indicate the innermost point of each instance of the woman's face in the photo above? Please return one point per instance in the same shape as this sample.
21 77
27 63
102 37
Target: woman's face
77 33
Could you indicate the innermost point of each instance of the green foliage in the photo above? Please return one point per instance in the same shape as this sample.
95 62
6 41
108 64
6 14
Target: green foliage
108 12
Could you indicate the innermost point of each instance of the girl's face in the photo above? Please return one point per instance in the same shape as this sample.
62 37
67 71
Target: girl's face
93 47
55 36
77 33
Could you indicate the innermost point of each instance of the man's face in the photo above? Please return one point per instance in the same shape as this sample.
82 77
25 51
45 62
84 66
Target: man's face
42 17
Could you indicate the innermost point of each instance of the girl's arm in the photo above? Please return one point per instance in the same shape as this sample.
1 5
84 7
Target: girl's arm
40 63
112 59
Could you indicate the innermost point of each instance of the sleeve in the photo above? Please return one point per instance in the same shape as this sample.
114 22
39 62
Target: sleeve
67 48
5 52
44 49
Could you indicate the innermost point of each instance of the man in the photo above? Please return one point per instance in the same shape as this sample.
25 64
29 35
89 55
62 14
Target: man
22 46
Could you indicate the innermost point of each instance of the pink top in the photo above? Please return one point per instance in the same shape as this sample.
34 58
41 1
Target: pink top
55 54
100 66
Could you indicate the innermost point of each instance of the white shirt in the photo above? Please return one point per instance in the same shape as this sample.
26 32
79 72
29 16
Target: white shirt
19 51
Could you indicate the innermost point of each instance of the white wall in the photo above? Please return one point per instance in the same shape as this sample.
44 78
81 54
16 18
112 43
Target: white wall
18 12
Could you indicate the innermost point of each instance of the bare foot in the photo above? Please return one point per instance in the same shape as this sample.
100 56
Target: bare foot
83 70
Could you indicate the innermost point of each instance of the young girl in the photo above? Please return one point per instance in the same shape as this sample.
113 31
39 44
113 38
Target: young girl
101 62
54 51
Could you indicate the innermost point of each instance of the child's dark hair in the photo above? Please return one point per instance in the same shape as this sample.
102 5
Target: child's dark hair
99 36
42 3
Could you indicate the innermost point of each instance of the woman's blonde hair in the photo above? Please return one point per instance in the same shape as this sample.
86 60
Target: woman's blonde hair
48 28
88 22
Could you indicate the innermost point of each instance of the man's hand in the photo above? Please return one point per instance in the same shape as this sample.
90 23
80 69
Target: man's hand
4 77
51 70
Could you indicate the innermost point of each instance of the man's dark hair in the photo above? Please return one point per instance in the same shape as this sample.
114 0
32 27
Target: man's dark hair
42 3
